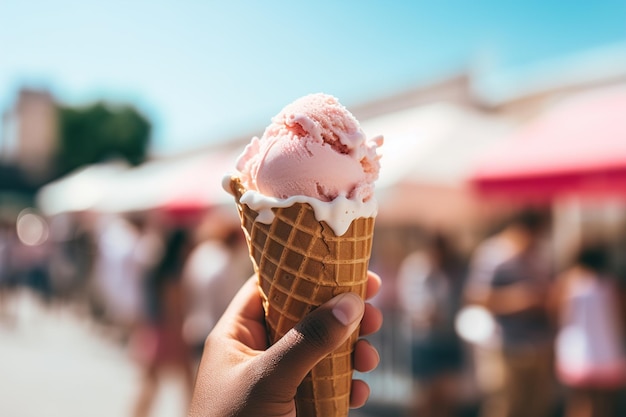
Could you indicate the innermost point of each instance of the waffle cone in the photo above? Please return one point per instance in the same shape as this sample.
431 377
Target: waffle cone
300 264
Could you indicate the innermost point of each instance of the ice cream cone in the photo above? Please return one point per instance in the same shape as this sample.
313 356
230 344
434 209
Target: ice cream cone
300 264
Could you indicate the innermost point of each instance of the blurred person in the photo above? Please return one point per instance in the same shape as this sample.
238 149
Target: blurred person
241 376
590 352
429 284
72 257
30 254
158 343
7 240
125 252
211 281
510 275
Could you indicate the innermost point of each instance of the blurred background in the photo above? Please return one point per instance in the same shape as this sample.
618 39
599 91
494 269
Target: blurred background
120 119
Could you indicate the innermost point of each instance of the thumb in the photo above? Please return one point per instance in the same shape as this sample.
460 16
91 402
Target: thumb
317 335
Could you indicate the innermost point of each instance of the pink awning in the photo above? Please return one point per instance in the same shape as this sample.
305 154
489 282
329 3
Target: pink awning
578 147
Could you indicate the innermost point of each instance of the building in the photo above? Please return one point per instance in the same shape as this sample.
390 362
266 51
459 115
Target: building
29 136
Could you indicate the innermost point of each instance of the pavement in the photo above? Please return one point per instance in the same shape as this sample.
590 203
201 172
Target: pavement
56 362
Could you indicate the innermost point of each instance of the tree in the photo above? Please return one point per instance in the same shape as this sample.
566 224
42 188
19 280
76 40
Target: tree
99 132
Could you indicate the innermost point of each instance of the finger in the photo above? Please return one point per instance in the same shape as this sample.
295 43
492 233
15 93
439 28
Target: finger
366 356
373 284
372 320
359 394
317 335
246 303
244 319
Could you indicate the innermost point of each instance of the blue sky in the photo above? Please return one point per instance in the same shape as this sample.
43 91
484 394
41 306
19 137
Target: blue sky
209 70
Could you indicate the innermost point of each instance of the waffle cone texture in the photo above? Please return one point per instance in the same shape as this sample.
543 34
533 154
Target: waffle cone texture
300 264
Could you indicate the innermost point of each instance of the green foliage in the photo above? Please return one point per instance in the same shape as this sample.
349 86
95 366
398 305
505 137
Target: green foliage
99 132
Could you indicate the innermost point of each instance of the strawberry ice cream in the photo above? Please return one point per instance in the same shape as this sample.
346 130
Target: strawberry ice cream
313 147
313 152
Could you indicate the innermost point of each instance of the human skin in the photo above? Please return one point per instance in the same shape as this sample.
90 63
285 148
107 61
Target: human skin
241 376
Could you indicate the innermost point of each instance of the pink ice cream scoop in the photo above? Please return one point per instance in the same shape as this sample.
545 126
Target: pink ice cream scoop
313 147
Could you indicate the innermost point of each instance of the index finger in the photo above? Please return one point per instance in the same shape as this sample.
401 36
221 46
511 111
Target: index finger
244 319
373 284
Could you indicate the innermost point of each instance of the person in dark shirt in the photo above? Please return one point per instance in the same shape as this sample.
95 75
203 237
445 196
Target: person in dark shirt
510 275
160 338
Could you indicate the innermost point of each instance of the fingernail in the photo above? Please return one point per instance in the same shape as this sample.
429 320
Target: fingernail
348 308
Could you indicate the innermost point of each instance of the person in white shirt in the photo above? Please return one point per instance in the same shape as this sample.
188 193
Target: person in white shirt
589 348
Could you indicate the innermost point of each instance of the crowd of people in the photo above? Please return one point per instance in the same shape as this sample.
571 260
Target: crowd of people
154 286
555 347
552 340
